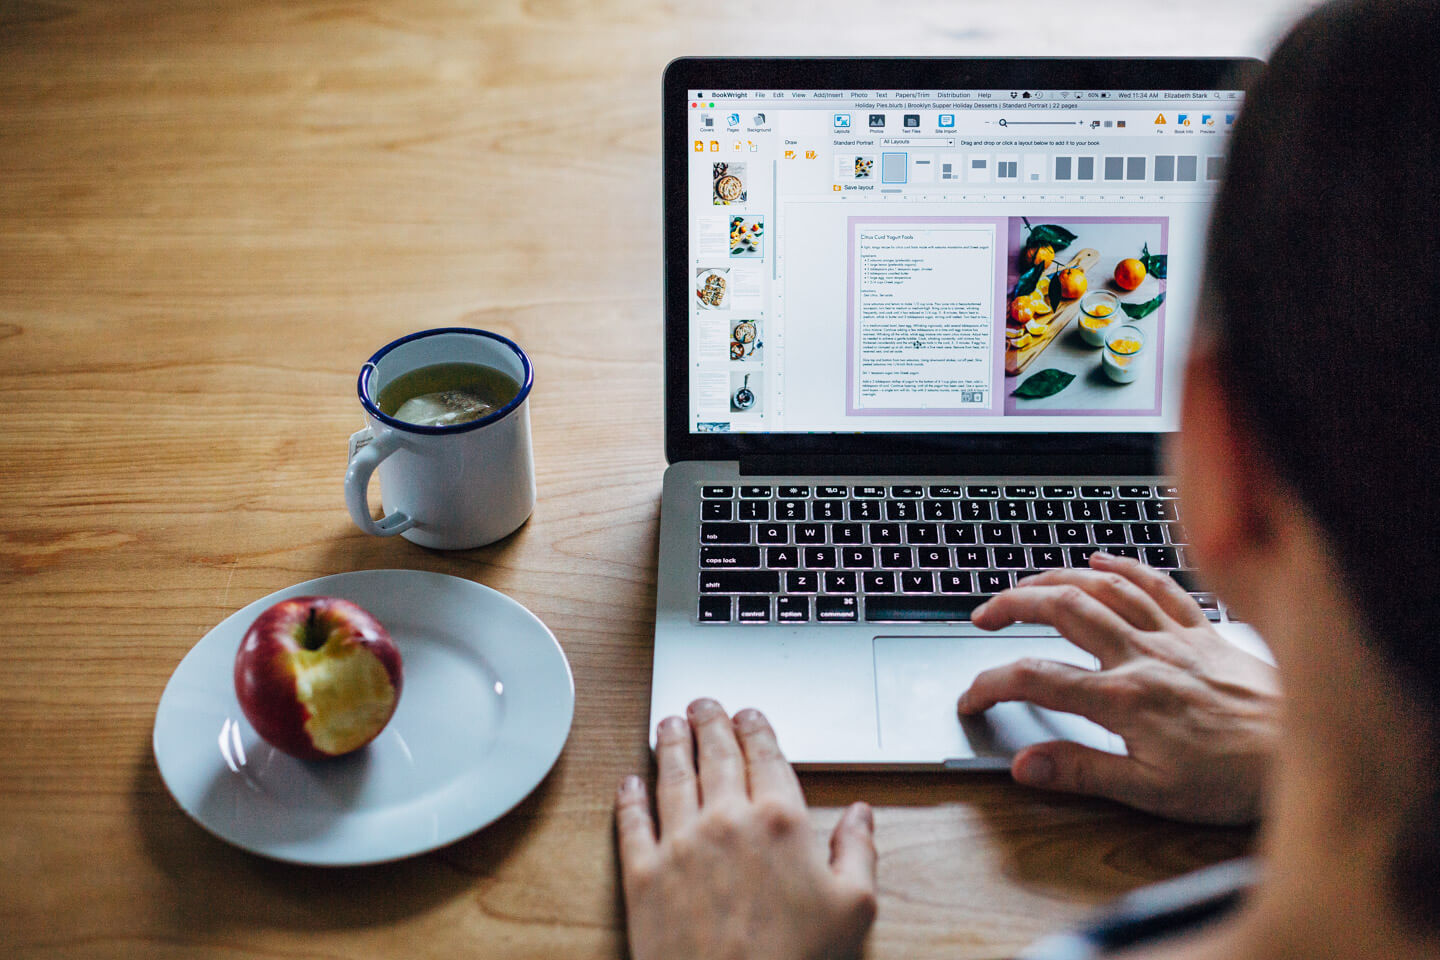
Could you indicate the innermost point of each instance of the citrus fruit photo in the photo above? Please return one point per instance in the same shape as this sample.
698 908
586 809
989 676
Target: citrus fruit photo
1129 273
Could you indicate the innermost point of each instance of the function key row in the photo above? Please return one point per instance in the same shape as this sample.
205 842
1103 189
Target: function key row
1085 511
942 492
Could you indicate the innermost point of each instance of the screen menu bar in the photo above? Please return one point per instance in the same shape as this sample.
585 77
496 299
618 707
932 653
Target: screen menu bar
1008 97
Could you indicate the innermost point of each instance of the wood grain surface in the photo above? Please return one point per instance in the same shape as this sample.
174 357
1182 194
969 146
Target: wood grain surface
210 214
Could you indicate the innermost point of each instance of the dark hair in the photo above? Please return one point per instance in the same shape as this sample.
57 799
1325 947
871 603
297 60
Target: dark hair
1323 268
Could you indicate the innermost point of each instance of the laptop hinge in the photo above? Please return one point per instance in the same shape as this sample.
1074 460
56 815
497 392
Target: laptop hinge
961 465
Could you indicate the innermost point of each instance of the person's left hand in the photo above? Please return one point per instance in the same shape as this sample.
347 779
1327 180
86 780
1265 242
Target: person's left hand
735 871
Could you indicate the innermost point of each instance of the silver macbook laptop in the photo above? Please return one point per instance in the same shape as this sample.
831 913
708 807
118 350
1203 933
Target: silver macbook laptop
925 323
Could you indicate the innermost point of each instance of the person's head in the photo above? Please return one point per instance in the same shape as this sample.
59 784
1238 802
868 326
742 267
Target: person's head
1314 342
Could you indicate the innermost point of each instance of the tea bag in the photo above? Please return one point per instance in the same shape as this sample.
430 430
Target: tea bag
443 408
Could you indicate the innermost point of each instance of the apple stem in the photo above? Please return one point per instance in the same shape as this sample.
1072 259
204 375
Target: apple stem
311 638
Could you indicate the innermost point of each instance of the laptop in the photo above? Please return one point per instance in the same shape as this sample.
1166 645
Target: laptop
924 329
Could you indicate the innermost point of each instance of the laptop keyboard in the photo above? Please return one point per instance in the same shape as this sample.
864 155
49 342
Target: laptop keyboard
843 554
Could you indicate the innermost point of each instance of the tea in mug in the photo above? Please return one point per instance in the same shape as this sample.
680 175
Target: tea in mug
443 394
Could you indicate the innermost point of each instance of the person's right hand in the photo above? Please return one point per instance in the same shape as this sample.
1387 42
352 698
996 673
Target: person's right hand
1198 714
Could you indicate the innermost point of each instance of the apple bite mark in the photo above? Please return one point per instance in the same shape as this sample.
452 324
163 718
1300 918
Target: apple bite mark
347 693
317 677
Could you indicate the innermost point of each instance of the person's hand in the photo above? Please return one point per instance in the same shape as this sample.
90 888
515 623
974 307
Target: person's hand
1198 715
735 870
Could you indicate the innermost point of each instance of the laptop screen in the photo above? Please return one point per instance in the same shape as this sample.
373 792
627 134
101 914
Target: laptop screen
958 261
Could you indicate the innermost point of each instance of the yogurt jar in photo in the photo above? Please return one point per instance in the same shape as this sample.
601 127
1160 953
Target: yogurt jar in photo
1098 311
1124 348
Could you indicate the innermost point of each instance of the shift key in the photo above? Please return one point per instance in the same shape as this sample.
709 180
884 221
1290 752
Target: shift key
735 581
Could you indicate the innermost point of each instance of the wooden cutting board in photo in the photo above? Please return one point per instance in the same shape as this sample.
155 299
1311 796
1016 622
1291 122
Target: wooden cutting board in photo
1051 324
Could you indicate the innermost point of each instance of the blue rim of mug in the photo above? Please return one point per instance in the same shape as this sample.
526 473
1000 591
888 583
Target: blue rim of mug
362 385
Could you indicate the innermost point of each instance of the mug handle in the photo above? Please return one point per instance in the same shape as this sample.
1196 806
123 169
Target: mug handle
366 451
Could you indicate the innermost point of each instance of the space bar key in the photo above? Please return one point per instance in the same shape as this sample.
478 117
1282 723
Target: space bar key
923 608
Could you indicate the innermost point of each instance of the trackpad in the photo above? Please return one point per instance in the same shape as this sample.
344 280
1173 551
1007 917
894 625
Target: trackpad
918 680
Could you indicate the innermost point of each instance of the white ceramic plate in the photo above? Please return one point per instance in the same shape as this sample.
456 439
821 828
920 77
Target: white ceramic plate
484 712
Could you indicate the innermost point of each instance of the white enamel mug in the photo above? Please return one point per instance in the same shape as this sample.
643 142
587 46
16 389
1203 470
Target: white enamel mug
448 487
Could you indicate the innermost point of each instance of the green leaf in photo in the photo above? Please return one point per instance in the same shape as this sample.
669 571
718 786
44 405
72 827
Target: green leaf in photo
1139 311
1026 284
1051 233
1155 264
1046 383
1053 296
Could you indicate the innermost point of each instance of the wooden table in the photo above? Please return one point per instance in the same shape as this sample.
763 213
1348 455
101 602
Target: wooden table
210 214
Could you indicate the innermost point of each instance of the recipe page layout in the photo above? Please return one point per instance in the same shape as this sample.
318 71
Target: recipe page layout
920 327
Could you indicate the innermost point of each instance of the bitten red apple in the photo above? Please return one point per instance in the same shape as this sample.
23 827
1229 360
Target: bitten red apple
317 676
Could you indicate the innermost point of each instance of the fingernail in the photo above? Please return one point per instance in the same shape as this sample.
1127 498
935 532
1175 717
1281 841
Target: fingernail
704 707
630 786
749 719
979 610
1102 555
1037 770
963 704
863 813
674 725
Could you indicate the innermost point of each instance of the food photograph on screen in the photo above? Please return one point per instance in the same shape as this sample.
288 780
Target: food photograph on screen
1084 315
